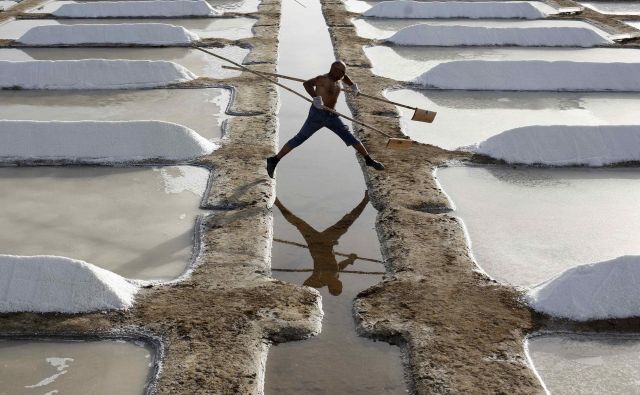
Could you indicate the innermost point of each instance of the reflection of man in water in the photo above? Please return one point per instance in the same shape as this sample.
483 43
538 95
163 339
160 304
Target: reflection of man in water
325 266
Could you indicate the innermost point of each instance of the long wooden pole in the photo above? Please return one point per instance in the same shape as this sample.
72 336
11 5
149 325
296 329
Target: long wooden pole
344 90
292 91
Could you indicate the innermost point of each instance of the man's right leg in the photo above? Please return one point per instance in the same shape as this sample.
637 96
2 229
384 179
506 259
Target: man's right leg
310 126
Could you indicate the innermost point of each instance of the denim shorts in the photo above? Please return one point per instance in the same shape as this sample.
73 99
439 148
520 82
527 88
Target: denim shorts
318 119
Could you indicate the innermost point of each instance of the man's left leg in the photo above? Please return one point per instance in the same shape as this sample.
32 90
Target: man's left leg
338 127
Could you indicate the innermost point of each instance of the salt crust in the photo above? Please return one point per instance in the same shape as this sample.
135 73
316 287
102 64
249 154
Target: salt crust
91 74
533 75
602 290
137 33
142 9
563 145
100 142
460 9
56 284
448 36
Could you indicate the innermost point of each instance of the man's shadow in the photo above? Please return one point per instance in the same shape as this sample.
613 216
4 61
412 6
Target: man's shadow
326 268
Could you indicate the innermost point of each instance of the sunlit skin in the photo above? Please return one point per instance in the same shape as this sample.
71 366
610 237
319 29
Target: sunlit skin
327 86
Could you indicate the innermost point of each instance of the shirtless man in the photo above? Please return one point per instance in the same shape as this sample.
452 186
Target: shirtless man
324 90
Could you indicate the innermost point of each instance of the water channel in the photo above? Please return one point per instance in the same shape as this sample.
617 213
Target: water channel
324 236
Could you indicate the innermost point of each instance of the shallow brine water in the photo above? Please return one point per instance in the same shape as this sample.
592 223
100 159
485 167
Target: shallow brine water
137 222
230 28
587 364
199 109
322 196
384 28
74 367
197 62
406 63
615 7
527 225
461 112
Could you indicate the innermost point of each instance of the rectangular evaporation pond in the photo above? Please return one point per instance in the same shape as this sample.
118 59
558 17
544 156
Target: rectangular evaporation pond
527 225
230 28
74 367
199 109
587 364
244 6
615 7
407 63
197 62
469 117
137 222
377 28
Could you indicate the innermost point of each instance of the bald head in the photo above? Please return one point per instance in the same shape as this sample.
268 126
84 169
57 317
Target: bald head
338 70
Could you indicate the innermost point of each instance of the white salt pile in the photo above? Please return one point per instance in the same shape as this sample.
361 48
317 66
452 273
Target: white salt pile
138 33
55 284
533 75
141 9
448 36
460 9
564 145
588 292
100 142
91 74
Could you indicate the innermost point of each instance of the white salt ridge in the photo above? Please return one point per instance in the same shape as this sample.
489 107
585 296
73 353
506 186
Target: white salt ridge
602 290
6 4
91 74
100 142
564 145
533 75
138 33
460 9
448 36
142 9
47 284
